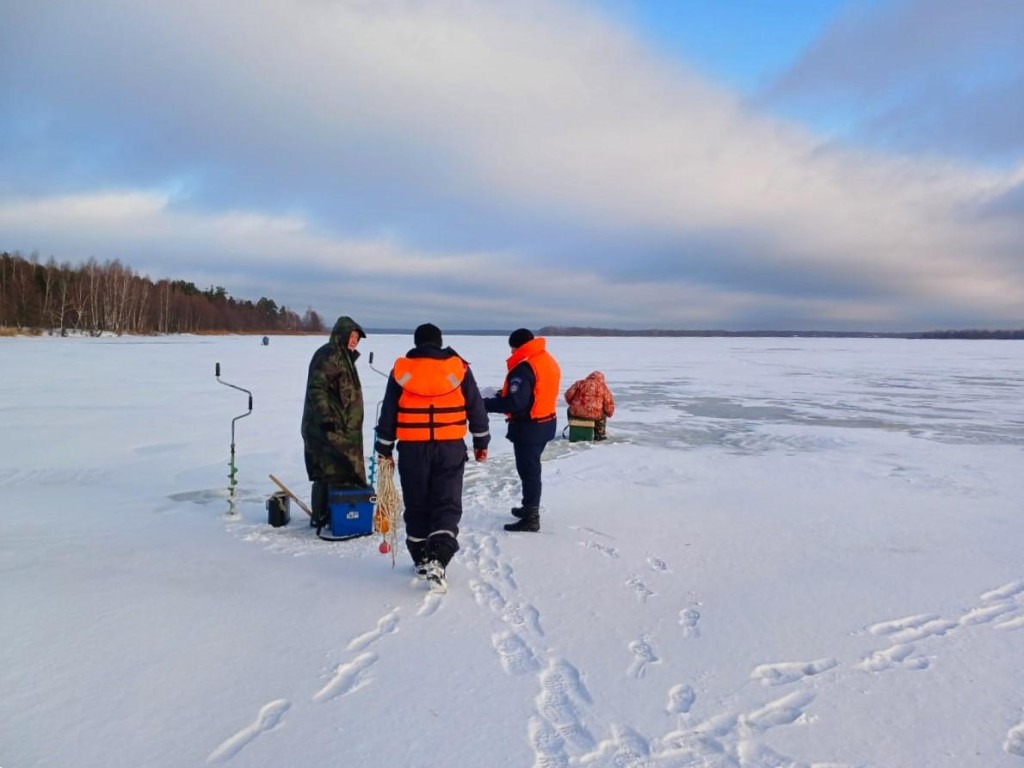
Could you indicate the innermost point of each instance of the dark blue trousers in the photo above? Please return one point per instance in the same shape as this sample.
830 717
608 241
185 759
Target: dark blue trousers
431 477
528 467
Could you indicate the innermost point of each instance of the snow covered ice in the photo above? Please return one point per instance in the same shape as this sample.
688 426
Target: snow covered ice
791 552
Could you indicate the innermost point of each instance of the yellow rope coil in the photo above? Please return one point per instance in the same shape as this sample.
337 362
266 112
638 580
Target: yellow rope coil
385 514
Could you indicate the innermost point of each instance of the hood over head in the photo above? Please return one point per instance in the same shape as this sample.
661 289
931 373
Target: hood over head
343 328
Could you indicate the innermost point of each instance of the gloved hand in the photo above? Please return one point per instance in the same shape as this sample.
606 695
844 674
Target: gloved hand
480 454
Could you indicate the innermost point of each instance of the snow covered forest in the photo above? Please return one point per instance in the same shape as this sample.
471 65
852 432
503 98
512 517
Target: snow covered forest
96 298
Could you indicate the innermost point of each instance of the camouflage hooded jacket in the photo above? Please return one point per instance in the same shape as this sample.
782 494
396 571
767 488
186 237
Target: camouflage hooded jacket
332 418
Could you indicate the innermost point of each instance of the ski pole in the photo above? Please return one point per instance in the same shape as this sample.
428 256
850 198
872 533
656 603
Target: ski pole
232 480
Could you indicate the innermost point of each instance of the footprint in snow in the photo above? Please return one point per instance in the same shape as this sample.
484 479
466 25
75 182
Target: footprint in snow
688 618
897 625
561 705
1014 744
657 564
268 718
782 711
635 583
386 625
789 672
348 677
431 602
986 614
487 596
1006 592
896 656
644 656
680 699
523 617
609 552
516 656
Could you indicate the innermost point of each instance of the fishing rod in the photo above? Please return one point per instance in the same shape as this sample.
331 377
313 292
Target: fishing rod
232 480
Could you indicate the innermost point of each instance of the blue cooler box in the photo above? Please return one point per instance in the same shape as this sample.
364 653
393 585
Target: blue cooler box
351 510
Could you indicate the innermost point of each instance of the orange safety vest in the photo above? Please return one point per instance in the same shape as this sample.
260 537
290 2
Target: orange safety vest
431 406
545 371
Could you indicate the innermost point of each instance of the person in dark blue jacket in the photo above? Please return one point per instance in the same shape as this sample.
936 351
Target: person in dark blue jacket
430 398
528 400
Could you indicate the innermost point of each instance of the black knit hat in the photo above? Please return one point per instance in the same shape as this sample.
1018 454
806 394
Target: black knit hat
428 333
519 337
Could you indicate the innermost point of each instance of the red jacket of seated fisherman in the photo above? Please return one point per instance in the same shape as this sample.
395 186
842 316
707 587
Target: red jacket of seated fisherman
590 398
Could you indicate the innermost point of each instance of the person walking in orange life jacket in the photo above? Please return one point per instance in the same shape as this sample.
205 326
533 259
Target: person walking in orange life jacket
430 397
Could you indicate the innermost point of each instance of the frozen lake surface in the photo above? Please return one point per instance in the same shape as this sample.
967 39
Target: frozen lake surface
791 552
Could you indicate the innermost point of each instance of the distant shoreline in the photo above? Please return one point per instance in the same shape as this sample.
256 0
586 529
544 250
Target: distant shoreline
958 334
560 331
661 333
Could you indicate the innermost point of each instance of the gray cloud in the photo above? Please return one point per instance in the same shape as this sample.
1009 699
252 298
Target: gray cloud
482 164
1008 205
924 75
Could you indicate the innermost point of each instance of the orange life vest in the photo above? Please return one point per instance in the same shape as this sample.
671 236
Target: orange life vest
545 371
431 406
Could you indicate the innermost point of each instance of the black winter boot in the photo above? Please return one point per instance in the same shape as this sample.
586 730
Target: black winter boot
418 553
517 513
529 520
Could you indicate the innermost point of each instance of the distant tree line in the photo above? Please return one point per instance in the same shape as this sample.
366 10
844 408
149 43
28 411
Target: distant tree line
98 298
963 334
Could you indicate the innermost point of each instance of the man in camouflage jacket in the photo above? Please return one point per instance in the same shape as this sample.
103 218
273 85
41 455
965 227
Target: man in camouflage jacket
332 419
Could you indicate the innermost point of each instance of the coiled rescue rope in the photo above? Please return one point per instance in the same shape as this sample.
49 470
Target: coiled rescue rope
385 513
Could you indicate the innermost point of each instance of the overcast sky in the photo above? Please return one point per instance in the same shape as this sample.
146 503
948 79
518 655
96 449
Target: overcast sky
808 164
